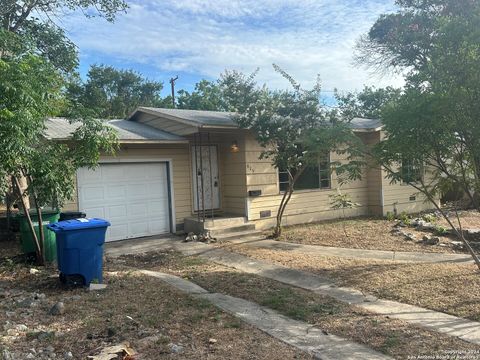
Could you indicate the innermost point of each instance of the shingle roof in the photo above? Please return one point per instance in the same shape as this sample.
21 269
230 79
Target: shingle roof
61 129
365 124
197 117
225 119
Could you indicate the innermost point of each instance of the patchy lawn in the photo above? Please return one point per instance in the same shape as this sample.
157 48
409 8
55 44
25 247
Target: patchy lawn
393 337
363 233
450 288
158 321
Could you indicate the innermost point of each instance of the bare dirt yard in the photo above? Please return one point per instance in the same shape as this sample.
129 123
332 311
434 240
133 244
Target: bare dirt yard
156 320
378 234
392 337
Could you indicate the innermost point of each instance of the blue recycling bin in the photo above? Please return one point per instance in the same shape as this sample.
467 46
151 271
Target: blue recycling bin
80 249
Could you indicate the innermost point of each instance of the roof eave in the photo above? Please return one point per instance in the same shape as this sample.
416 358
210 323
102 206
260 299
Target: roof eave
219 127
130 141
379 128
167 116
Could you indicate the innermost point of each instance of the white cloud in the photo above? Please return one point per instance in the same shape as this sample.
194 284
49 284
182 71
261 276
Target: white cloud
204 37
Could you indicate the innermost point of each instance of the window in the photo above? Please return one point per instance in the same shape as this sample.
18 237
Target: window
411 172
313 177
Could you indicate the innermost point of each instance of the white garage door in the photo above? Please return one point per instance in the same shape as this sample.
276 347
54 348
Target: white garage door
133 197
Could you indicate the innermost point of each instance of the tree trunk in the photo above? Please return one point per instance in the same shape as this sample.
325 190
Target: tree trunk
41 239
284 202
277 232
8 201
29 220
343 223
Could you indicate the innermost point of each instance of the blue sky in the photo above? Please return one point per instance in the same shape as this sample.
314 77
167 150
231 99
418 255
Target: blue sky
197 39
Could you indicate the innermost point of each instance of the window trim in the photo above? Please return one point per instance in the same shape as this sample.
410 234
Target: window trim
421 170
320 188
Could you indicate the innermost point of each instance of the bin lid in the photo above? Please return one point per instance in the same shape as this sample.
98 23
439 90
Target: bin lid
77 224
33 212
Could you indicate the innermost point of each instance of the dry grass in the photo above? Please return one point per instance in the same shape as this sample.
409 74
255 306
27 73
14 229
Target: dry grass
470 219
393 337
446 287
132 308
363 233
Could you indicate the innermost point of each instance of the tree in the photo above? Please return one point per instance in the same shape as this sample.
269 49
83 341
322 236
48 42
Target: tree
434 125
365 104
291 127
342 202
36 58
35 19
207 95
114 93
31 87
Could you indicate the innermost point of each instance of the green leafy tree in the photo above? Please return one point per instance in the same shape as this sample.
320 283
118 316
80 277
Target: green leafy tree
292 128
367 103
31 88
207 95
35 19
433 127
114 93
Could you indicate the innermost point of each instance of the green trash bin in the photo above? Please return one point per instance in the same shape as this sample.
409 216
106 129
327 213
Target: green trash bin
28 243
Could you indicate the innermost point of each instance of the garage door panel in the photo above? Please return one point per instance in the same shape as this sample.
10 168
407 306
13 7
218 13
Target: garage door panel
98 212
117 211
139 228
139 174
116 191
132 196
93 193
117 232
112 173
157 226
155 190
157 208
155 173
138 210
90 177
137 190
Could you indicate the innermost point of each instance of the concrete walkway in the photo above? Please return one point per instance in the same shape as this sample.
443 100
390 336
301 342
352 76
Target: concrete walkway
355 253
466 330
301 335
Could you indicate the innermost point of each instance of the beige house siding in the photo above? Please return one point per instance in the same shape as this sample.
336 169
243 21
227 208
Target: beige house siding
374 177
243 171
179 155
305 205
234 185
398 197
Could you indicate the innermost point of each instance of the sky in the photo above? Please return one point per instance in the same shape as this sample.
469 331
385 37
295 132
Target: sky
198 39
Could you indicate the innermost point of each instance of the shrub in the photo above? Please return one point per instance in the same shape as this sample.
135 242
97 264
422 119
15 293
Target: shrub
390 216
404 217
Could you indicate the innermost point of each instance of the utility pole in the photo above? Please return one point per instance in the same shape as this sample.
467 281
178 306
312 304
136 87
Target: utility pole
172 82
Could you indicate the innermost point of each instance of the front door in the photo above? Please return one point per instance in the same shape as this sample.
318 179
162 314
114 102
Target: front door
206 188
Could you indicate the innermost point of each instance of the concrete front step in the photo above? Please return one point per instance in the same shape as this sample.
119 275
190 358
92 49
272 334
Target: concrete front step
225 222
221 230
238 235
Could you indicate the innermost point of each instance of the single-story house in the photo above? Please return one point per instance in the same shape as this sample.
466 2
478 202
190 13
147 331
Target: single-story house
182 170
